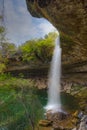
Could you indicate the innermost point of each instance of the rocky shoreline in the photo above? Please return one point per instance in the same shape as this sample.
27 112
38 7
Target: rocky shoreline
69 120
65 121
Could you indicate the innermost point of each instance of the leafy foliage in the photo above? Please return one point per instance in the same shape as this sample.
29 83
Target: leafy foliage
2 29
40 49
2 67
8 48
18 104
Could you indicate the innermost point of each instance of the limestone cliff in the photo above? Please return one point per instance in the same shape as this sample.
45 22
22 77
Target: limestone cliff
70 18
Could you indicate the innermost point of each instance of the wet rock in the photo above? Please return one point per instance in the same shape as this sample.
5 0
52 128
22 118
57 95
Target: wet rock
74 121
45 123
56 115
83 124
60 120
80 115
74 129
75 114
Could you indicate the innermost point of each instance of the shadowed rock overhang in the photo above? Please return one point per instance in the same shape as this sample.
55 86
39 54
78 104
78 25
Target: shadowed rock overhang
70 18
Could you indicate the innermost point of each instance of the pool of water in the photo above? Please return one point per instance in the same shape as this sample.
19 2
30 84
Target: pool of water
69 102
20 109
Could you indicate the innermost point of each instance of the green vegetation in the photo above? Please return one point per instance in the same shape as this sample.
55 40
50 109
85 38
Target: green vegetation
2 31
18 97
40 49
21 105
6 48
18 104
32 51
35 51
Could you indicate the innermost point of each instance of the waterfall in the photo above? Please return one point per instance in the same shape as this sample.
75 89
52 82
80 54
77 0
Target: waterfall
54 102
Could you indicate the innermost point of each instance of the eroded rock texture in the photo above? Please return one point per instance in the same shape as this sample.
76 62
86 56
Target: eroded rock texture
70 18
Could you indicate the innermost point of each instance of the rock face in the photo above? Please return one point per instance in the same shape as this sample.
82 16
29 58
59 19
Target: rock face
70 18
83 124
60 120
64 121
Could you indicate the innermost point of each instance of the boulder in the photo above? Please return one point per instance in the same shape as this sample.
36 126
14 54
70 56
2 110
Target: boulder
83 124
60 120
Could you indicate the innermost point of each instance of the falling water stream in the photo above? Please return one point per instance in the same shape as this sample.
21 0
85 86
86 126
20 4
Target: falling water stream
54 102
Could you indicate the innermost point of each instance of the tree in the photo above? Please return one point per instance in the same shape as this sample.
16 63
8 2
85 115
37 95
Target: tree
44 49
39 50
28 50
6 48
2 31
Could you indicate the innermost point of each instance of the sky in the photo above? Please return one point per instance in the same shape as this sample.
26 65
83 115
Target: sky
20 25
